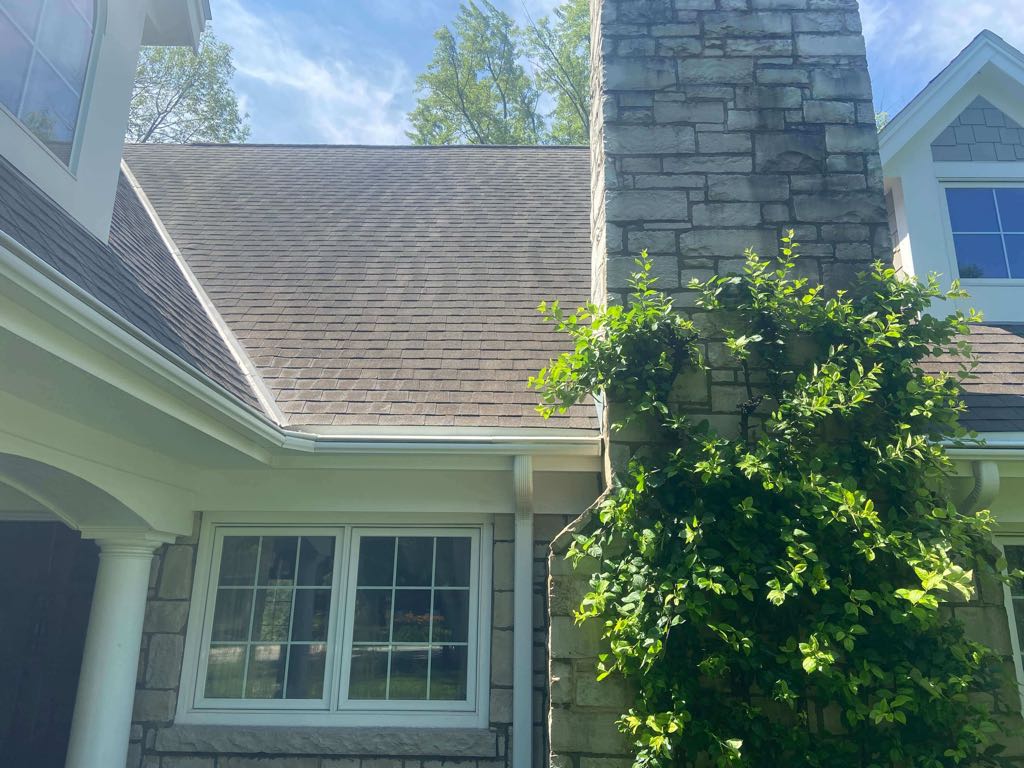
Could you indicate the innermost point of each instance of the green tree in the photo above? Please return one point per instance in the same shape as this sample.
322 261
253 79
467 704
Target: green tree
560 51
772 592
475 89
183 96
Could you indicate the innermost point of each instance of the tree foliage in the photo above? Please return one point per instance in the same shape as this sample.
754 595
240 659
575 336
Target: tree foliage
186 96
772 594
478 88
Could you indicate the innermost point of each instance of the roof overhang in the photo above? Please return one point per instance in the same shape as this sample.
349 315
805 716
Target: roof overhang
175 22
987 52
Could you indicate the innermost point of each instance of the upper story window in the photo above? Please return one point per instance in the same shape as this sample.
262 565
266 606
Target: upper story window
988 231
44 56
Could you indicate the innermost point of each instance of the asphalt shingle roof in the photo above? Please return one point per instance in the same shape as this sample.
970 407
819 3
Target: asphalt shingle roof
384 285
995 395
133 274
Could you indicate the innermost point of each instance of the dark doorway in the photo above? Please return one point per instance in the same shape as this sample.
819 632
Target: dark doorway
45 593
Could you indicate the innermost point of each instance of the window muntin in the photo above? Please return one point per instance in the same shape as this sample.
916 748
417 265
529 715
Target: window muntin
988 231
279 633
44 57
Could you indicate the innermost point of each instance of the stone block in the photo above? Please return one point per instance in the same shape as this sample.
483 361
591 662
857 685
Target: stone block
281 762
829 112
588 732
343 762
733 71
650 139
709 164
748 24
759 46
165 616
830 45
728 243
646 205
689 112
790 152
652 73
840 83
504 570
726 215
187 761
851 138
847 207
570 640
501 657
713 142
606 762
163 661
819 21
501 610
754 188
610 693
176 572
154 706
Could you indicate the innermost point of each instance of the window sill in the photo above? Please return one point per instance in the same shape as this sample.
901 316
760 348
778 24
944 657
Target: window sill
271 740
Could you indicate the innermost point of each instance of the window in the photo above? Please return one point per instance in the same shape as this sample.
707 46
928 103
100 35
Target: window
988 231
341 621
44 55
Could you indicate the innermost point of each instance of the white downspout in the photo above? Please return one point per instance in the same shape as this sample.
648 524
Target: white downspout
986 487
522 621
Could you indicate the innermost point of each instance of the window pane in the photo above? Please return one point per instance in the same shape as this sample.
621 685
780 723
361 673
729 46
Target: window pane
1015 254
451 616
369 676
231 615
376 561
452 562
24 12
980 256
1011 209
50 108
64 39
265 679
312 609
277 561
415 564
273 614
372 615
412 616
408 674
238 561
316 561
306 671
1015 562
224 667
972 210
448 673
15 53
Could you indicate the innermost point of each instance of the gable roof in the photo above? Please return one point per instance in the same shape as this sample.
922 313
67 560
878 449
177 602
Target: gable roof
987 49
980 133
384 286
134 274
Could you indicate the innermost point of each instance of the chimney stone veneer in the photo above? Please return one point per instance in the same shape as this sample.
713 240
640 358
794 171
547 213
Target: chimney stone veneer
717 125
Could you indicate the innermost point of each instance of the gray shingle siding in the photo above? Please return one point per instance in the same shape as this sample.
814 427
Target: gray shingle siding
980 133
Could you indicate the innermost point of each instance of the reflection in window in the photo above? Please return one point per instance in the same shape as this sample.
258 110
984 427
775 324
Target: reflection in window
988 231
410 635
44 55
271 616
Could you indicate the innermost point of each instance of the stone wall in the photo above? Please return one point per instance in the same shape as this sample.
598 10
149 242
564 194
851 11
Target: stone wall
156 742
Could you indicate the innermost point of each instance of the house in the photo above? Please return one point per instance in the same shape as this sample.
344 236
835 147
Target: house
273 493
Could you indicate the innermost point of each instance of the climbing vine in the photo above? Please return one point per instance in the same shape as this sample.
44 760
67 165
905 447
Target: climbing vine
771 587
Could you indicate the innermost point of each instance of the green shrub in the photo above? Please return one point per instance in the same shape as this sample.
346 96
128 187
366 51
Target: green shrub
772 592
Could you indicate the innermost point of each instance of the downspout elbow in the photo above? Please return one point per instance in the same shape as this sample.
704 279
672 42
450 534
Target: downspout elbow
986 487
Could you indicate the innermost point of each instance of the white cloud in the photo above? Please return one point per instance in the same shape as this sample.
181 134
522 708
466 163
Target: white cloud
304 93
910 41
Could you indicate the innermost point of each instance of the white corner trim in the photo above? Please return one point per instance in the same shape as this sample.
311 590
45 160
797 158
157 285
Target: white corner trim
522 613
238 353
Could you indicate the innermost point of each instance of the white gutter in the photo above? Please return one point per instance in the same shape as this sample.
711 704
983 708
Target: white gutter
522 613
47 285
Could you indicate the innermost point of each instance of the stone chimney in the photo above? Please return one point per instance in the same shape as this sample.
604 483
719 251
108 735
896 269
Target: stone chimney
717 125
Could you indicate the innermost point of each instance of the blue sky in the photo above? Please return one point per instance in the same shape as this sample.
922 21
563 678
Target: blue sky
343 71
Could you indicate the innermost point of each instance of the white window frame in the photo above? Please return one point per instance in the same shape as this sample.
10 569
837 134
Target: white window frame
1002 541
70 166
334 709
947 222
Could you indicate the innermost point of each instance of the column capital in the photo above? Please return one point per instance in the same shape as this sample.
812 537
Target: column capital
126 541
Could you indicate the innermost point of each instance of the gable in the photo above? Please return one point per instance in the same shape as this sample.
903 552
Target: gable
982 132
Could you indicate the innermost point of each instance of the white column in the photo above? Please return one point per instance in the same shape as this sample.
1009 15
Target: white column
522 616
106 685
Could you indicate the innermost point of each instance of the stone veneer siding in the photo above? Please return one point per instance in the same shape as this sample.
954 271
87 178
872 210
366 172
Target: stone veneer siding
718 125
157 743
